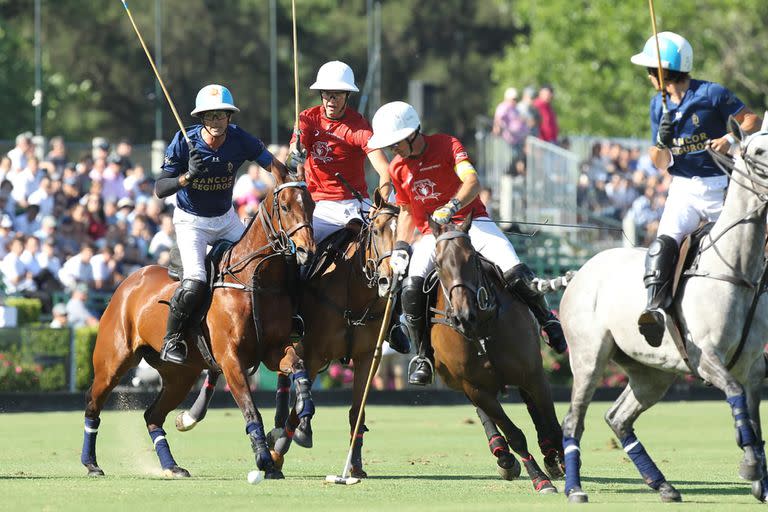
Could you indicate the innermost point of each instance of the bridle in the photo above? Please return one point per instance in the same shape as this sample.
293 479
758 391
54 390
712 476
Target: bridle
279 242
480 290
374 256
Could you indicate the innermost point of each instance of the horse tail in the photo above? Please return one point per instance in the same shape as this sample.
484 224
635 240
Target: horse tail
554 284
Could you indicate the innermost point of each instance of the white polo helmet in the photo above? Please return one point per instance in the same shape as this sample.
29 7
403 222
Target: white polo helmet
335 76
675 52
392 123
214 97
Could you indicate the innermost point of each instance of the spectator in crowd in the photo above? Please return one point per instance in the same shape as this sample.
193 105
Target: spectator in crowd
5 167
6 234
77 269
112 180
164 239
97 223
103 269
28 222
47 258
249 190
122 155
22 151
25 182
99 148
57 156
528 111
42 196
60 319
133 178
548 129
7 202
510 125
17 278
78 313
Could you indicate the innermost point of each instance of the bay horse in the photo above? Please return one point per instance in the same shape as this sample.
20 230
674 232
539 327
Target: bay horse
242 328
485 338
719 308
342 310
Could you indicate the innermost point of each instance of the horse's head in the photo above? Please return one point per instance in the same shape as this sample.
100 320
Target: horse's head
379 241
290 212
753 154
460 273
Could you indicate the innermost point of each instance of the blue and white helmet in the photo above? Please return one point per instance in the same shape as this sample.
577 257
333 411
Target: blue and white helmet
675 51
214 97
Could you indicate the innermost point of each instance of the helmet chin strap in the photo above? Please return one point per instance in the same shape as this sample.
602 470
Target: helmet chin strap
410 140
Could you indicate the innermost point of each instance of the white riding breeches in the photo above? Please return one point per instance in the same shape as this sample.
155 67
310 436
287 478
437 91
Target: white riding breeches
487 239
690 201
331 216
194 234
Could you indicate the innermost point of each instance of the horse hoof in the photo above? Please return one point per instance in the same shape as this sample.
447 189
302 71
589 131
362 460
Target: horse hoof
508 467
669 494
358 472
759 491
303 434
176 472
750 470
273 435
544 486
278 459
554 467
94 470
274 474
577 496
185 422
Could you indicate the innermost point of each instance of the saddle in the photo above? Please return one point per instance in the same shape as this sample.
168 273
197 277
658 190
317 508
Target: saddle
689 249
212 260
332 249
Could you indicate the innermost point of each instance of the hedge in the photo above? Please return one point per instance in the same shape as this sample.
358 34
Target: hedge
85 341
29 310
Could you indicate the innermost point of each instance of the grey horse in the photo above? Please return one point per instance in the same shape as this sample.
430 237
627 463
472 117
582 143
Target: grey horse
601 305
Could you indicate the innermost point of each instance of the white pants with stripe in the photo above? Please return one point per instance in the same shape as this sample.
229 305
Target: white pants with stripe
194 234
486 238
690 201
331 216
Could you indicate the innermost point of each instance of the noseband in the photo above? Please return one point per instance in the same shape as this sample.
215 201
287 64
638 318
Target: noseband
374 257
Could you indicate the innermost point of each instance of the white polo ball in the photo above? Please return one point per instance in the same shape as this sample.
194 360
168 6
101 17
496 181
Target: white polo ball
255 477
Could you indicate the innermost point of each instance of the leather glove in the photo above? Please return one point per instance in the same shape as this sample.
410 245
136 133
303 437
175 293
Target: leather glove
401 256
195 167
444 214
666 132
295 159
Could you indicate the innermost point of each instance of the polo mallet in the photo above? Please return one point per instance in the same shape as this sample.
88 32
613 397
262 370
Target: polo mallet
659 70
157 74
295 77
345 478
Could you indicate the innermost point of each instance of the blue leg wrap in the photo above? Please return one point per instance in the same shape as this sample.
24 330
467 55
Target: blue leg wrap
648 470
88 455
162 448
745 436
304 404
259 444
572 463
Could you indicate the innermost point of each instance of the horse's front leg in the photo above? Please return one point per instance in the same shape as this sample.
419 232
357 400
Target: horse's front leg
712 369
304 409
756 375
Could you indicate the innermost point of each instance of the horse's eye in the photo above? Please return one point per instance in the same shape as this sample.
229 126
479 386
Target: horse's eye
284 207
759 152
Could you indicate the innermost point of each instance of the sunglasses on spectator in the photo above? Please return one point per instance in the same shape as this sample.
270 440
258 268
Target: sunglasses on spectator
215 115
333 95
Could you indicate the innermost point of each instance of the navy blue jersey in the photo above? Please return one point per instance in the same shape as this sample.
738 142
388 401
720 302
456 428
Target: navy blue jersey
701 117
210 195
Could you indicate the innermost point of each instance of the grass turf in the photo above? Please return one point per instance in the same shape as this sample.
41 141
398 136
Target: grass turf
418 458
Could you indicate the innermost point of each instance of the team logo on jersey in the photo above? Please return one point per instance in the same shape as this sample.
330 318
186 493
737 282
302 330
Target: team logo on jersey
230 167
678 115
321 152
424 190
695 120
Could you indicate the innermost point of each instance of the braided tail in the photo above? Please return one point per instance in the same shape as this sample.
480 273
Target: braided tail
553 285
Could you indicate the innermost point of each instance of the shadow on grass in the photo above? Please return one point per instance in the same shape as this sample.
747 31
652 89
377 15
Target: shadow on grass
638 481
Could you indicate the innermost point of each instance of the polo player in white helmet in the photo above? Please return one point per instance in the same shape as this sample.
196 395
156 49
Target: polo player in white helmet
695 120
433 177
202 177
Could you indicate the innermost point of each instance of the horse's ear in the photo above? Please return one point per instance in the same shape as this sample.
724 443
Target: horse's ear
434 226
378 201
467 223
278 170
735 128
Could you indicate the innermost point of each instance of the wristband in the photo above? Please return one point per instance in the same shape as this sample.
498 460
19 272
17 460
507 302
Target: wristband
730 138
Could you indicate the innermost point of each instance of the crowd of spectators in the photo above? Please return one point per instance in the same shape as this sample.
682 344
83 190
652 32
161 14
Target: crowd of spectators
621 183
71 225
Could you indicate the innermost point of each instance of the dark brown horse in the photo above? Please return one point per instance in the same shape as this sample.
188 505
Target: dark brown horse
343 310
249 322
484 339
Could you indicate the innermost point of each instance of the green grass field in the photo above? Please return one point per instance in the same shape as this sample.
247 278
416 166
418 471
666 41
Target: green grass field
418 458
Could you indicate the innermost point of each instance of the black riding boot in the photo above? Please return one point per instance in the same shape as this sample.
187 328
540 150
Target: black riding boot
397 339
414 302
659 270
520 279
189 296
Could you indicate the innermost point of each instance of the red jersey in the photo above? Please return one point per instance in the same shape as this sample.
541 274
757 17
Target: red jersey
334 146
429 181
